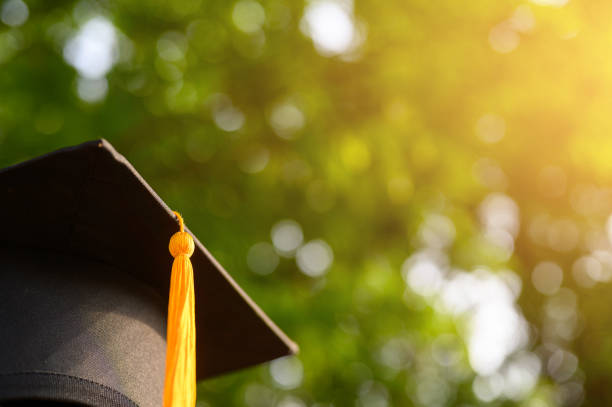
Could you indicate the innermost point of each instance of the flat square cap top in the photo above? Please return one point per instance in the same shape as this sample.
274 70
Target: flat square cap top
89 201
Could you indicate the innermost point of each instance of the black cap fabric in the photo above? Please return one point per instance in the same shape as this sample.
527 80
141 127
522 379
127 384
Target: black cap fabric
78 330
82 222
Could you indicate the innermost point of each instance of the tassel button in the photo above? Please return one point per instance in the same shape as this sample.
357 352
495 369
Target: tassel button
181 243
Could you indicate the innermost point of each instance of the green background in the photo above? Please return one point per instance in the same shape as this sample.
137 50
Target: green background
449 141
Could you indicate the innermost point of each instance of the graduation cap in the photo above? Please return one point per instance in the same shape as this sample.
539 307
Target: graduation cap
85 279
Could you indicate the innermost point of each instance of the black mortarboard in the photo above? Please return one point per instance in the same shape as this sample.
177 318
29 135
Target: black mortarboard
84 282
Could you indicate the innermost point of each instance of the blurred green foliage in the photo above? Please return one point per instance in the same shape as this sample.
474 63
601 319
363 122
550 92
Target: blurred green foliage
445 167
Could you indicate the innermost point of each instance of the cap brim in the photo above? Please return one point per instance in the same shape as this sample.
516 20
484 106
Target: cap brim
88 200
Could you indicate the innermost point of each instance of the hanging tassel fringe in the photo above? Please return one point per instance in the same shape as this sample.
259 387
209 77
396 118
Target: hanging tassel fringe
180 384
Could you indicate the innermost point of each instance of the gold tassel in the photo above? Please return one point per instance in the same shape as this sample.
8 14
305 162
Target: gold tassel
180 385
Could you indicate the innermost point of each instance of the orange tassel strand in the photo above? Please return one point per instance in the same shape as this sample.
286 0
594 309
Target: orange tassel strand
180 385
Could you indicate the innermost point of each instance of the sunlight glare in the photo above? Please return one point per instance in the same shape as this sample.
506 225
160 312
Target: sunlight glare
547 277
262 259
287 372
248 16
14 13
553 3
330 25
314 258
287 236
94 49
